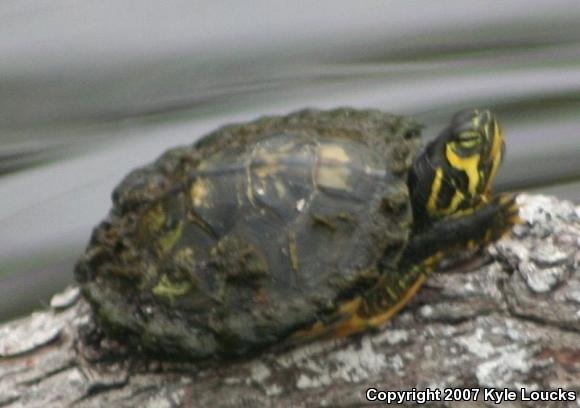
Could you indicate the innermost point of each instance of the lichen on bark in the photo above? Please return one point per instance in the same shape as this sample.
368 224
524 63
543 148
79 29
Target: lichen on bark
510 318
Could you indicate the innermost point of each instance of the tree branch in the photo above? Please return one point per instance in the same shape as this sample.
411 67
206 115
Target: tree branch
510 321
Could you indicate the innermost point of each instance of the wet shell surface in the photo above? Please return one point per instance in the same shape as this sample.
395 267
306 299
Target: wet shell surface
257 230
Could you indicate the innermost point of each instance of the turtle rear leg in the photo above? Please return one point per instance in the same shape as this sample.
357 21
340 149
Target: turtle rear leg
369 311
396 288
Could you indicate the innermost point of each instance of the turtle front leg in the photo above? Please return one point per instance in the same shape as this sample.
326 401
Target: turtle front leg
481 226
428 248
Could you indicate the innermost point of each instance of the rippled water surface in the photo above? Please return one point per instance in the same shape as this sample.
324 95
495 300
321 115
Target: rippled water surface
89 90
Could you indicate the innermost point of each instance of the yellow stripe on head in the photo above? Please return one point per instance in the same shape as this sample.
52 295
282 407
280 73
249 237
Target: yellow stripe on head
456 201
461 164
435 190
432 207
469 165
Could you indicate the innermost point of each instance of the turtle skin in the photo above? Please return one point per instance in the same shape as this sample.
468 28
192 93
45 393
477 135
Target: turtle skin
271 230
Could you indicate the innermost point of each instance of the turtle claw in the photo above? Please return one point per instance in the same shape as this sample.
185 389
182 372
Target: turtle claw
507 215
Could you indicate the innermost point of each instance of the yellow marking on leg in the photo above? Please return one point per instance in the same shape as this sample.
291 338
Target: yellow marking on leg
313 332
350 323
351 317
355 324
379 319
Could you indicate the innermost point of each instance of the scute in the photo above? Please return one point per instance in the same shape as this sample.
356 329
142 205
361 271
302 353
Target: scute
280 174
255 231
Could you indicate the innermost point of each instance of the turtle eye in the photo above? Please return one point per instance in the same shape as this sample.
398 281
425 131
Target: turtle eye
469 139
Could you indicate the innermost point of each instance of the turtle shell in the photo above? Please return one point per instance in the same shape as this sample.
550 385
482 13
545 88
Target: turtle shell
252 233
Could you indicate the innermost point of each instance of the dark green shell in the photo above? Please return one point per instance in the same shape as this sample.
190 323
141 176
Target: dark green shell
254 232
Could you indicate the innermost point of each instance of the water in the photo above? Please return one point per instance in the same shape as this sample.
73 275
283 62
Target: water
90 90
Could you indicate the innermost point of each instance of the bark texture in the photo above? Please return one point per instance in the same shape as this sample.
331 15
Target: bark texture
508 319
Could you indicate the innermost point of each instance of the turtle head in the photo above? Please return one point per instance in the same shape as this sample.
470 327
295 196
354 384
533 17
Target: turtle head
453 175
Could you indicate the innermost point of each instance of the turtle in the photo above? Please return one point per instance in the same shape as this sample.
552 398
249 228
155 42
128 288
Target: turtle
284 230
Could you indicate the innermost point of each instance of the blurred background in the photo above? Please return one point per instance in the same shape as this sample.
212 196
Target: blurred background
92 89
